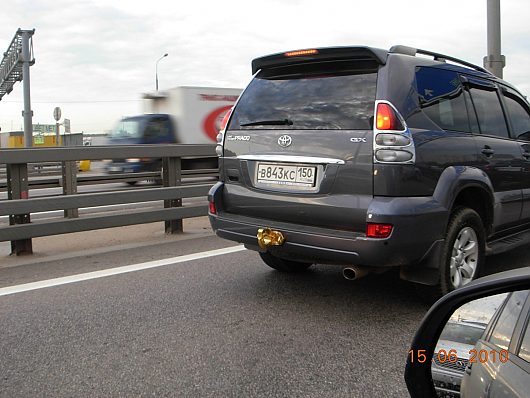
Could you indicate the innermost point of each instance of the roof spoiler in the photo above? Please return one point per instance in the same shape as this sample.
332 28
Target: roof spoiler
319 54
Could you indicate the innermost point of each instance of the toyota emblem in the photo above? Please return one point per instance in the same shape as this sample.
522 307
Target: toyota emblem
285 140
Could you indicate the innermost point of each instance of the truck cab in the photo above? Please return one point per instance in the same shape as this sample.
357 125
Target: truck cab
141 129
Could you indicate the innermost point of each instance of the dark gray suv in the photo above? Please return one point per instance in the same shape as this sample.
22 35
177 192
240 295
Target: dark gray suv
375 159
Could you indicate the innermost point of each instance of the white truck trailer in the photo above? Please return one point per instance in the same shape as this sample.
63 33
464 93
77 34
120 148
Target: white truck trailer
197 111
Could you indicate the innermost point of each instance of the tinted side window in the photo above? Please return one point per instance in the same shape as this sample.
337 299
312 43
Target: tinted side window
518 114
503 330
489 112
442 98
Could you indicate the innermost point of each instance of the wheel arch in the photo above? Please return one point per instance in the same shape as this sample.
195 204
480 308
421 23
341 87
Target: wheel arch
467 197
464 186
458 186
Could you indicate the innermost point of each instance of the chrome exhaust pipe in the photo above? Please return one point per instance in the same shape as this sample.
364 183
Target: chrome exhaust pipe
353 273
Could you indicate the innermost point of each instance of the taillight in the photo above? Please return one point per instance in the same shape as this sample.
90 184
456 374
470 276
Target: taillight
211 207
393 141
379 231
393 155
224 122
220 135
386 118
387 139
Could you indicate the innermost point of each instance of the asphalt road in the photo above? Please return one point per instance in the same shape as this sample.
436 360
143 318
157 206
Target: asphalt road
223 326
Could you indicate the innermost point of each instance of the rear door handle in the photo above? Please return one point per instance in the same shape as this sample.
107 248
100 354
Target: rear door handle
488 151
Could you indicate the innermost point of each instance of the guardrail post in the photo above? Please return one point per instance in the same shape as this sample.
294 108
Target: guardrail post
69 173
17 188
172 177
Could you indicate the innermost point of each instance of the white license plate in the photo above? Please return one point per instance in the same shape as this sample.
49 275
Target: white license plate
285 174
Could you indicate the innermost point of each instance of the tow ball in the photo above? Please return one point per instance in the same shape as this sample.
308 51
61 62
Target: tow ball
268 237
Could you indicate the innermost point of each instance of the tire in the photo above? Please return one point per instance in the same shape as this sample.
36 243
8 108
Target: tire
463 254
283 265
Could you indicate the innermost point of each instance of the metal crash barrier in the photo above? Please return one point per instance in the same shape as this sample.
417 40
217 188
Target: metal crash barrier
19 205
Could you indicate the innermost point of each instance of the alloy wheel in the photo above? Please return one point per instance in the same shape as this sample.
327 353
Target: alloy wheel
464 257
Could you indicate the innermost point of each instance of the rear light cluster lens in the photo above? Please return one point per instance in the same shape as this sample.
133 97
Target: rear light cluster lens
388 155
393 141
387 118
379 231
221 134
388 139
224 122
211 208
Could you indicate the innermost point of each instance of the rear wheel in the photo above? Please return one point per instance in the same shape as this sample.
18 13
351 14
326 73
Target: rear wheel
283 265
463 254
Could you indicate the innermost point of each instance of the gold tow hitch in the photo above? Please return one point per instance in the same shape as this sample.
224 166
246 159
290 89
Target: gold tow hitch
268 237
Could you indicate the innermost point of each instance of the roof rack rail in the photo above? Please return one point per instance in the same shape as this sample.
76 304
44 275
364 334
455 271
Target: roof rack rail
399 49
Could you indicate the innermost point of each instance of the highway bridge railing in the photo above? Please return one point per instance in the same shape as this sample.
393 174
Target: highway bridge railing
19 205
40 169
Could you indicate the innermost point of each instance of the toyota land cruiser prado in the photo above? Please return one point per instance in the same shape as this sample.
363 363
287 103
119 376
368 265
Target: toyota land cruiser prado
375 159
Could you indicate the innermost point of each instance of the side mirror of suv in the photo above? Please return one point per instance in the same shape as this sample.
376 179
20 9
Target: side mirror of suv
460 337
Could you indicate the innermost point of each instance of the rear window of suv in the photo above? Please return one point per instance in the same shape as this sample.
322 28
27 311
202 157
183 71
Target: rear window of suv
323 97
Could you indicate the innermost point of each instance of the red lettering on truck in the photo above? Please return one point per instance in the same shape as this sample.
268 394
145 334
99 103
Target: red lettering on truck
214 97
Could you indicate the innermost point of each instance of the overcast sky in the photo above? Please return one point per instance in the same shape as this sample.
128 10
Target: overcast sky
94 58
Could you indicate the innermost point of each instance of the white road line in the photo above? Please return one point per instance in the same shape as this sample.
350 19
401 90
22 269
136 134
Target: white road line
116 271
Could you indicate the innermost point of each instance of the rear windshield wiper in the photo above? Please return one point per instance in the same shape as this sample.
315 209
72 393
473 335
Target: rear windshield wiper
277 122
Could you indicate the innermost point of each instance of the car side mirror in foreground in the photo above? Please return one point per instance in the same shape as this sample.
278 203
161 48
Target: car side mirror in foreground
471 336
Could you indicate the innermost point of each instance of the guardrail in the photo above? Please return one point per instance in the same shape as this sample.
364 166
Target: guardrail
54 181
40 169
19 206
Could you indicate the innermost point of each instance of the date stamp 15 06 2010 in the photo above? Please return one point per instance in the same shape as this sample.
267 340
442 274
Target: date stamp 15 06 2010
444 356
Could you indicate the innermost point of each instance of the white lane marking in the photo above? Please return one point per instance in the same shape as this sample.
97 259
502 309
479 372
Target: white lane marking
116 271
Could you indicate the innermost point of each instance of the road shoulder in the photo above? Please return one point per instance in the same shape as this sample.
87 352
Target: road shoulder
69 254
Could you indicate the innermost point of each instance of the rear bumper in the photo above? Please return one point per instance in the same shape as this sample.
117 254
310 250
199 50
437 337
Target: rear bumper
315 245
419 226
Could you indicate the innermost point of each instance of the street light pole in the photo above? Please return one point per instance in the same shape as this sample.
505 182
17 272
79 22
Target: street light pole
156 69
494 61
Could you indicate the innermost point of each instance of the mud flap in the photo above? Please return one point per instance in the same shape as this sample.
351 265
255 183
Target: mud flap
425 271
